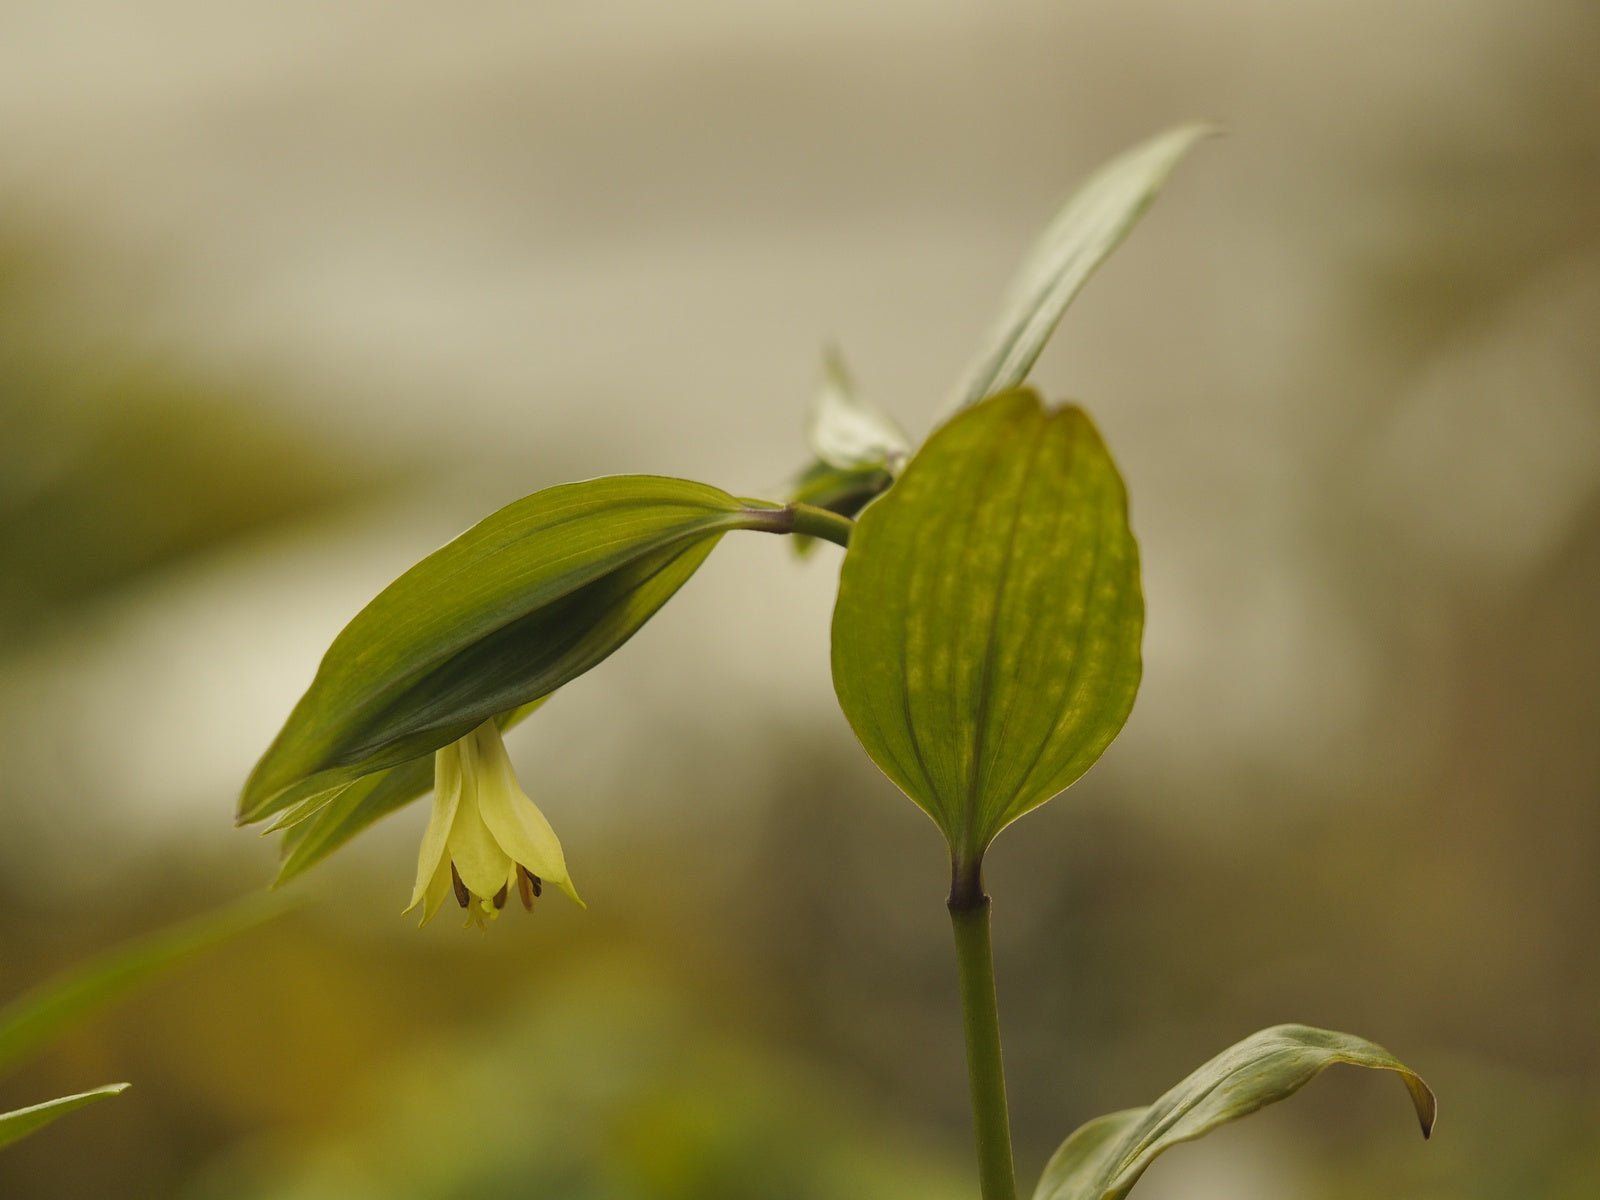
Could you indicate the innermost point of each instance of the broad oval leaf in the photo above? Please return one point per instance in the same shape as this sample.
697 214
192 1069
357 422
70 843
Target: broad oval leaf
1106 1157
523 602
986 635
18 1124
1082 235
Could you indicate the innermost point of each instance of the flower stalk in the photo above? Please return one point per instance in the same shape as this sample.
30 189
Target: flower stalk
806 520
980 1018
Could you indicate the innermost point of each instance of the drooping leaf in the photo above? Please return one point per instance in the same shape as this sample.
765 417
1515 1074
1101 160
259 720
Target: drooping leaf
849 432
30 1020
986 635
1082 235
360 803
523 602
1106 1157
18 1124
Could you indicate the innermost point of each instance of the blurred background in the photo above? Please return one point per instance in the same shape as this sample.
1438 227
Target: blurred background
292 292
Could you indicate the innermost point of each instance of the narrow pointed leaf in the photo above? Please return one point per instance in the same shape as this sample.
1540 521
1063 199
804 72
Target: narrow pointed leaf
33 1018
986 635
1083 234
849 432
362 802
523 602
17 1125
1106 1157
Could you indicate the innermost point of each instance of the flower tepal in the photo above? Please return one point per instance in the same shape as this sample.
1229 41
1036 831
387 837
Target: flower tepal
485 840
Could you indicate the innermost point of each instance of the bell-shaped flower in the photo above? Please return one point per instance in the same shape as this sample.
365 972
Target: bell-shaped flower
467 642
485 839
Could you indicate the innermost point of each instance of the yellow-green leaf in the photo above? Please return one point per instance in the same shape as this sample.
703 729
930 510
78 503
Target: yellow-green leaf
1106 1157
18 1124
986 636
523 602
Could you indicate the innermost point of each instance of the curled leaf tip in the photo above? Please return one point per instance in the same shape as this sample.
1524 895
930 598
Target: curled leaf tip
1106 1157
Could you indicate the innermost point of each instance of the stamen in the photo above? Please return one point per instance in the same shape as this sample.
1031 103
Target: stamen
538 884
525 887
500 897
463 897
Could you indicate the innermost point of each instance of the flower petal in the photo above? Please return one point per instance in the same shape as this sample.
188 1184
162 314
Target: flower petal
516 822
439 889
478 856
446 797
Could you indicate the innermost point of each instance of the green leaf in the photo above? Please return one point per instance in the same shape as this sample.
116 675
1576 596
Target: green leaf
842 490
16 1125
849 432
38 1015
523 602
1083 234
1106 1157
986 635
358 804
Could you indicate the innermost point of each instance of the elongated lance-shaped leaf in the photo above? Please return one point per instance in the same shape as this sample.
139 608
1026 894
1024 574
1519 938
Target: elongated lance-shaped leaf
986 635
523 602
18 1124
33 1018
1082 236
358 804
1106 1157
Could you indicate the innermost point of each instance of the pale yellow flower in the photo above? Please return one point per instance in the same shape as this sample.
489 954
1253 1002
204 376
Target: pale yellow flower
485 839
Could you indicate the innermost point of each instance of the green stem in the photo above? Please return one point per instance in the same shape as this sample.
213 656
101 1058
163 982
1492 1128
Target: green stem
980 1015
805 519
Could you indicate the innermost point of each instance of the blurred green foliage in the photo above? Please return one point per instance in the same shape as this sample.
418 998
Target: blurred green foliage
611 1082
117 460
1363 475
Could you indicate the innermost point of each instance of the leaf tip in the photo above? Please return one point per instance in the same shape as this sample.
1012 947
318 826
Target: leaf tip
1426 1103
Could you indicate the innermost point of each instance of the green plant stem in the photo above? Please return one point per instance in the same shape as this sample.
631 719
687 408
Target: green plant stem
969 915
805 519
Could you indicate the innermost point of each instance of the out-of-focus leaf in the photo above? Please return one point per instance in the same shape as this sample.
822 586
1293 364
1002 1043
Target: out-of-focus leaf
523 602
1106 1157
38 1015
20 1123
842 490
357 805
986 635
859 450
849 432
1083 234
